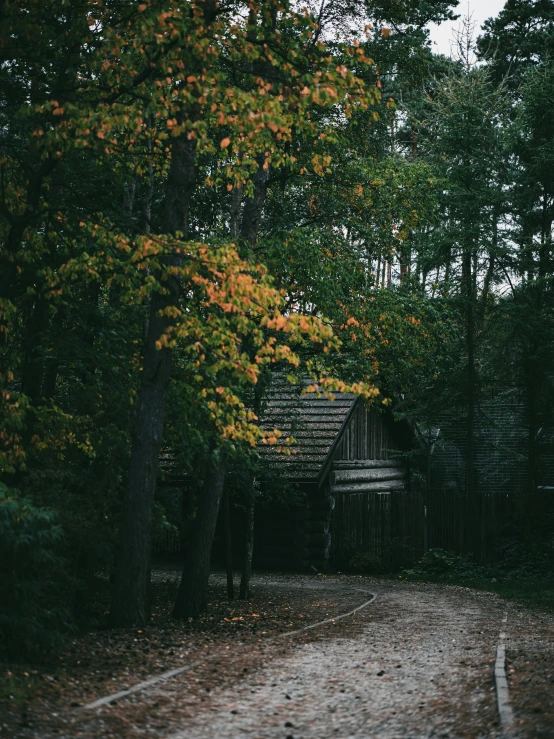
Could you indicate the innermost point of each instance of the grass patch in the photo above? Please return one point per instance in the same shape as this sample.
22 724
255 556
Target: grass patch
18 686
532 593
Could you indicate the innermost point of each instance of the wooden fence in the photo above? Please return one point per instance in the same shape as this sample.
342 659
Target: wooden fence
453 522
398 527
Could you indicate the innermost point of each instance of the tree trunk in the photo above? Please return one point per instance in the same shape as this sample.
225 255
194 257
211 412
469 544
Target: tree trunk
236 200
52 366
415 138
546 236
129 196
533 390
228 546
251 219
9 276
405 260
192 595
244 593
468 282
470 402
130 601
482 308
18 225
193 588
32 369
146 220
253 207
146 215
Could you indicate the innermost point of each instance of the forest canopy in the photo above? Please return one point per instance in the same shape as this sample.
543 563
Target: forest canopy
198 197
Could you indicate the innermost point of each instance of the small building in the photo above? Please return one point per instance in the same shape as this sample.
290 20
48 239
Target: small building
351 493
347 461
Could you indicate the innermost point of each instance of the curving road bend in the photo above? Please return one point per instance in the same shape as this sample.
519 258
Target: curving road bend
415 663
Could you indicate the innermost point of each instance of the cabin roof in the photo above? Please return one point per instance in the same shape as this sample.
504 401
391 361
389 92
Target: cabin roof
314 420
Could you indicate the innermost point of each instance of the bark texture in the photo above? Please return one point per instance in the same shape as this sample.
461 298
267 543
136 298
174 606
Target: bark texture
246 572
250 226
228 547
130 601
469 293
192 596
236 200
32 368
254 206
193 589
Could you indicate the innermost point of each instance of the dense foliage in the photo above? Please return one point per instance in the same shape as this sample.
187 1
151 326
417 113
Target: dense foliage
194 195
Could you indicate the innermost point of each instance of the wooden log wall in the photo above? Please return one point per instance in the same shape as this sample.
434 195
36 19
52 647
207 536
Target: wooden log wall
320 511
364 491
366 437
364 482
362 523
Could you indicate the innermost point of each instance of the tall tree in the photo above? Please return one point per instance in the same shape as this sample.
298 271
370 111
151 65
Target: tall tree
520 37
465 140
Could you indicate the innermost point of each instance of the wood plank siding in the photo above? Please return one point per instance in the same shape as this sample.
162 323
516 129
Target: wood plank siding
366 437
367 480
346 456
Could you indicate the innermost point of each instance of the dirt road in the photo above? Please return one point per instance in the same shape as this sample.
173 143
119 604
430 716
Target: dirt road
417 662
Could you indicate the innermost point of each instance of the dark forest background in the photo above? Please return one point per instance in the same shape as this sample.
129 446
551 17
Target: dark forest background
195 196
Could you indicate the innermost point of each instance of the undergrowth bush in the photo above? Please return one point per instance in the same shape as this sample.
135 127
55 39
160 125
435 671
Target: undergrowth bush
365 563
512 559
30 569
351 558
440 564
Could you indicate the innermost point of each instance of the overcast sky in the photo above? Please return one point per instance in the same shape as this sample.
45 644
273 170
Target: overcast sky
480 10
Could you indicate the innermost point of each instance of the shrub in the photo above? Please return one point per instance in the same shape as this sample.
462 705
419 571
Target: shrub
29 537
443 565
366 563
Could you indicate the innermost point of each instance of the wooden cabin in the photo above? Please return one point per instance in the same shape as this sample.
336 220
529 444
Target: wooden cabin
355 493
347 460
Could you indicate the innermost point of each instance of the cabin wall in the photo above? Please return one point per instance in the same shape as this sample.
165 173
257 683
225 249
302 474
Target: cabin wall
367 481
282 533
296 537
367 436
350 508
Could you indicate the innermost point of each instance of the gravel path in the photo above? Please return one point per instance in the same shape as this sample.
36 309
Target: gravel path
416 663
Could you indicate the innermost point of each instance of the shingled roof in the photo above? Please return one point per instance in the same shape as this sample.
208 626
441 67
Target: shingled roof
313 420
